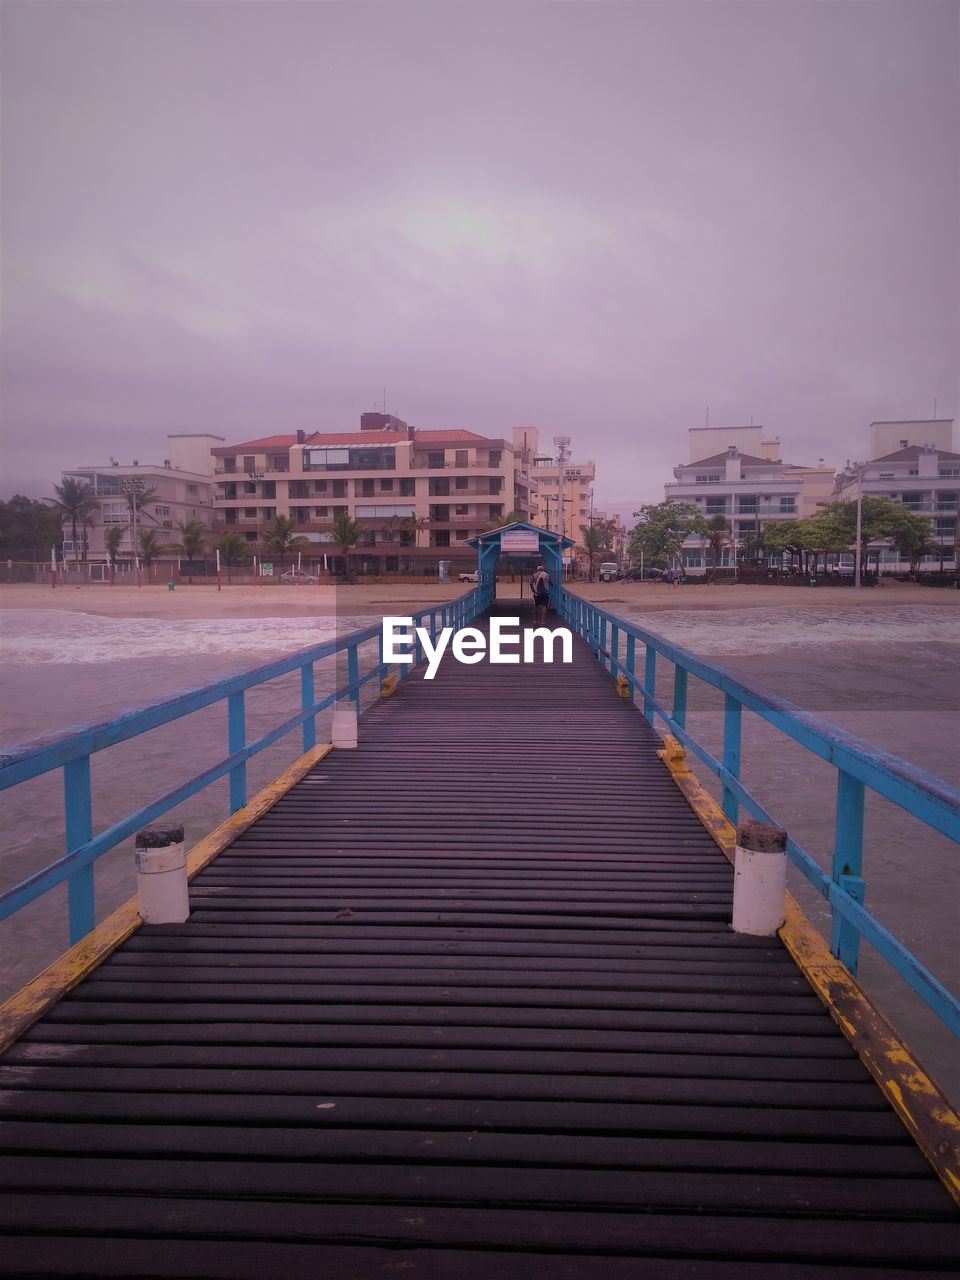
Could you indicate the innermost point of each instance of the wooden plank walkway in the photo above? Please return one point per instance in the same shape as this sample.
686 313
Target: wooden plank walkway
463 1004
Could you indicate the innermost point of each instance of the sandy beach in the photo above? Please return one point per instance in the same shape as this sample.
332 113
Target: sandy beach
204 601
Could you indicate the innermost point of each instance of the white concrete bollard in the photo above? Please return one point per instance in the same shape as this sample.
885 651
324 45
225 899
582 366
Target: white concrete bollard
162 874
345 725
759 879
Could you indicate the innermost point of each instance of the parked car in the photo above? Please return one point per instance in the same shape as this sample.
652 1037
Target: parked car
470 577
299 577
609 571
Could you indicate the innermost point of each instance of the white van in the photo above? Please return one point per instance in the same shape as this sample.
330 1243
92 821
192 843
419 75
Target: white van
609 571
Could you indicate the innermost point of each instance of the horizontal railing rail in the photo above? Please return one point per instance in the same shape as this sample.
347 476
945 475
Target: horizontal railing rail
71 750
859 764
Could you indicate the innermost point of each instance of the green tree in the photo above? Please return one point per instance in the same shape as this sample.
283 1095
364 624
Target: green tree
76 500
193 542
112 537
597 538
717 534
882 520
498 522
234 549
281 537
150 546
346 534
29 528
662 529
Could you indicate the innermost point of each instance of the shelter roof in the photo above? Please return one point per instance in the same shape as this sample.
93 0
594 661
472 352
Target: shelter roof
913 452
718 459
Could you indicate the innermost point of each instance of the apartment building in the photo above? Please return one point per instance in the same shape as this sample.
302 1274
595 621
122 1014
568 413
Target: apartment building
921 471
183 492
744 488
419 495
562 496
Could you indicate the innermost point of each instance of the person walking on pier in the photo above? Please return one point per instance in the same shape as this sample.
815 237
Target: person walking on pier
540 590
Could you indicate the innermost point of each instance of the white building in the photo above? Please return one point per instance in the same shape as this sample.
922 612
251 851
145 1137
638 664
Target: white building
924 476
183 486
745 489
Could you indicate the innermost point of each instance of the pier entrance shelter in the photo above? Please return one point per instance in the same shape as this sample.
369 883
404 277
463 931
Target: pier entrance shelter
526 545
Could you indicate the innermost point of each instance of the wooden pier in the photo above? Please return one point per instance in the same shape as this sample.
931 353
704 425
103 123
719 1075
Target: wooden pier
463 1003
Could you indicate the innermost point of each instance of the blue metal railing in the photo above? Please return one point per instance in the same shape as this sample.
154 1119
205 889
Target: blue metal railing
859 766
71 750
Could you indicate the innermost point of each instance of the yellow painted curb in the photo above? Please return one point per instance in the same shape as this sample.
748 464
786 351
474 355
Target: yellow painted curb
22 1010
923 1108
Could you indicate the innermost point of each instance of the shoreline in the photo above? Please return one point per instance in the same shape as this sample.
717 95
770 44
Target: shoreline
244 601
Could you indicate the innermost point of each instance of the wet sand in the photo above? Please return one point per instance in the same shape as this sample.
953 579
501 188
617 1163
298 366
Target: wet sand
204 601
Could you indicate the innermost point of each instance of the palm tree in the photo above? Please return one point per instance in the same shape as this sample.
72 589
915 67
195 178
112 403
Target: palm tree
498 522
193 539
598 538
75 498
281 538
233 548
150 547
346 534
718 536
415 526
111 540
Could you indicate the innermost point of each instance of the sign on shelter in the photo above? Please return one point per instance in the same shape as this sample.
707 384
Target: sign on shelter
527 540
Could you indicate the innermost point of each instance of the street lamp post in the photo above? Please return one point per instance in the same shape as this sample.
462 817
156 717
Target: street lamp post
857 552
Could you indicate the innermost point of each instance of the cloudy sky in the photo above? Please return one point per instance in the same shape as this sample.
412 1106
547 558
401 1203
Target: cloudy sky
597 218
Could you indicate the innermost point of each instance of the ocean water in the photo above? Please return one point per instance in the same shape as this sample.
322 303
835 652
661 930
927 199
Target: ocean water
889 673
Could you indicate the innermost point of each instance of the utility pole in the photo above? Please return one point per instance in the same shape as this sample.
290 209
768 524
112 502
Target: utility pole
563 452
857 556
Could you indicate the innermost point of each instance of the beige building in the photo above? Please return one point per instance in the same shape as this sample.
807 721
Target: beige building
420 495
562 496
183 488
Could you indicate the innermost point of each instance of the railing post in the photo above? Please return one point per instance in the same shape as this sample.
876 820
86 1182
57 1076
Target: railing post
307 699
847 865
649 682
680 695
731 753
630 662
601 639
236 741
353 672
78 809
614 648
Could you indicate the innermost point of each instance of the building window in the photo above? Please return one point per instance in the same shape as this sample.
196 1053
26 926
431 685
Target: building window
249 486
299 489
949 471
462 535
339 488
706 479
161 511
384 510
279 462
249 513
461 482
440 538
229 466
435 460
460 458
319 486
321 512
386 486
461 509
191 488
249 462
408 487
495 456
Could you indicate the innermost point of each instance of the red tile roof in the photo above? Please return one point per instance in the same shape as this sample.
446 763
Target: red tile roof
453 434
267 442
